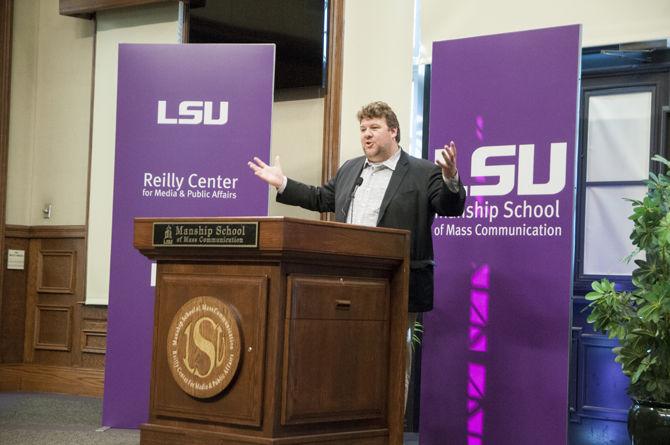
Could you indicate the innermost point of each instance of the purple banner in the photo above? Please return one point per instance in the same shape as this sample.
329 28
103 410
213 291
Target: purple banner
189 117
496 352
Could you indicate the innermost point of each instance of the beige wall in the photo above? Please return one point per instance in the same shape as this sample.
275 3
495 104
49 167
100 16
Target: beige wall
297 138
21 114
49 115
148 24
377 63
604 21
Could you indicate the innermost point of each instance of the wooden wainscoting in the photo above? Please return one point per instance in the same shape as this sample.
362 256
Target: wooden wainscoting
29 377
13 306
51 341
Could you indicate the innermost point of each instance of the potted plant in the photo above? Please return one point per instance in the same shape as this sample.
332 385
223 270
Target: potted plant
640 319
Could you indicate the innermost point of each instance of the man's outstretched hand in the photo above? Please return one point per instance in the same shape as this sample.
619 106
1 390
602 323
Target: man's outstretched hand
446 159
272 174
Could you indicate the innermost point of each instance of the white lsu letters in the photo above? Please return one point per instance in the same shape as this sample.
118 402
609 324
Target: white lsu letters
507 172
193 112
532 217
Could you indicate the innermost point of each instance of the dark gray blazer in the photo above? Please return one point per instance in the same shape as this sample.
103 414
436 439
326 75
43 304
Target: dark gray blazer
415 194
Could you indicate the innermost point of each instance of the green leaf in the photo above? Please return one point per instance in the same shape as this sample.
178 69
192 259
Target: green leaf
661 159
597 286
592 296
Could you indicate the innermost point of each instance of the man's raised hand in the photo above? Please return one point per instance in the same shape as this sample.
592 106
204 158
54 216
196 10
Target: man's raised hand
272 174
446 159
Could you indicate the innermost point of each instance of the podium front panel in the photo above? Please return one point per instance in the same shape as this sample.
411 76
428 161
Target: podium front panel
336 349
247 294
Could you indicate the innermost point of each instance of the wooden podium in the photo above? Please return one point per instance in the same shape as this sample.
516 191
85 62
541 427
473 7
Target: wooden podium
276 331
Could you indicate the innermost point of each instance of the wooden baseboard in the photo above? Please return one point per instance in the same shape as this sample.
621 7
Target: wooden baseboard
55 379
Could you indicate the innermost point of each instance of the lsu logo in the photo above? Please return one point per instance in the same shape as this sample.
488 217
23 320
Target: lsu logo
213 349
193 112
204 346
520 173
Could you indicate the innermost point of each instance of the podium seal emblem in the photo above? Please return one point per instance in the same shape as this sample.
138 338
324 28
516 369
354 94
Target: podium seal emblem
203 346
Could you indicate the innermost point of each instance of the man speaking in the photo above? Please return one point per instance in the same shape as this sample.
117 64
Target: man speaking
385 187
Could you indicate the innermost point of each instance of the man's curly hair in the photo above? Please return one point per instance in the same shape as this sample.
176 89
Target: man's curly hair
378 110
